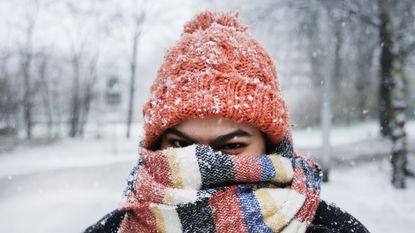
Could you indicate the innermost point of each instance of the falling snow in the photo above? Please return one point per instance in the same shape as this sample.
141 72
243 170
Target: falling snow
86 179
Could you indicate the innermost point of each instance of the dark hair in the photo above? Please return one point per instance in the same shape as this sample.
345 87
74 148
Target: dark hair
269 147
157 144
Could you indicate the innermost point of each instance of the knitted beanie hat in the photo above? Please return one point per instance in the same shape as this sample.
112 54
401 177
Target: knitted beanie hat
216 69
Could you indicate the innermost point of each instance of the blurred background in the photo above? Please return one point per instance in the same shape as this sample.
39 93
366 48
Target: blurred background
75 74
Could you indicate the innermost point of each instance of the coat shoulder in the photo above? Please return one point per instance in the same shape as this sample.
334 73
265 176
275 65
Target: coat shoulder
328 219
331 219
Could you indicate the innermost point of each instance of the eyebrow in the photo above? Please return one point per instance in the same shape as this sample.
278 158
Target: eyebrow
231 135
219 140
176 132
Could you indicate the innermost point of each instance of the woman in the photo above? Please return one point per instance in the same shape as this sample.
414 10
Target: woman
217 154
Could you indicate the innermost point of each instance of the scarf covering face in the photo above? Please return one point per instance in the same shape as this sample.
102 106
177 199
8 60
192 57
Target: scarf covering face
198 189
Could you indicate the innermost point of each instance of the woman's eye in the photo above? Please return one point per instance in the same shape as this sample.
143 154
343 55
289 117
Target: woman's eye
179 143
232 146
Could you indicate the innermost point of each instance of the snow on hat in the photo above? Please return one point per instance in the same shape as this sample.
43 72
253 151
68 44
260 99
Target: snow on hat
216 69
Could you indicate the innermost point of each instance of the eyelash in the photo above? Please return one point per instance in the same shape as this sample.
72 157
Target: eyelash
178 143
232 146
227 147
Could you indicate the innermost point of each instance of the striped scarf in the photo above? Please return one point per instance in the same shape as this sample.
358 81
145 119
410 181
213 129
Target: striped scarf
198 189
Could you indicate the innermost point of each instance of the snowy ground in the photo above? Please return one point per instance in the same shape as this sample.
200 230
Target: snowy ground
68 185
365 191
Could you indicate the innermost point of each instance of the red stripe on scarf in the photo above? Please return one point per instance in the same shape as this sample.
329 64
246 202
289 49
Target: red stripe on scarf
299 181
147 189
307 212
247 169
140 220
158 166
227 212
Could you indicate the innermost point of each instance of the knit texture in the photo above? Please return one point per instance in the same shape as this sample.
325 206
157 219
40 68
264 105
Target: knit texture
198 189
216 69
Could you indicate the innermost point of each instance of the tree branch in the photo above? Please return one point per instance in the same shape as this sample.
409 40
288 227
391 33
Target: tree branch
364 18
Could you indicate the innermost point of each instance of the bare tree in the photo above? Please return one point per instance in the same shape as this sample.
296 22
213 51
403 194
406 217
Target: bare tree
82 81
139 19
44 86
75 104
391 19
8 99
26 65
399 144
387 59
332 60
88 92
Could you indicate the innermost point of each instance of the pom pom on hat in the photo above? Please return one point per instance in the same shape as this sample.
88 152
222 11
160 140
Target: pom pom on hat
206 19
216 69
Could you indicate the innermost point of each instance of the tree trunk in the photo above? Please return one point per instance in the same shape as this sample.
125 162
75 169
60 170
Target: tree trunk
392 95
337 77
133 67
330 70
57 106
88 96
86 107
8 98
398 135
386 67
27 98
75 101
46 99
26 67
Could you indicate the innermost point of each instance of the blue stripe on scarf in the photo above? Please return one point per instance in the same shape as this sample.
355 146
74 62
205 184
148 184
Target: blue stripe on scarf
267 168
251 210
313 174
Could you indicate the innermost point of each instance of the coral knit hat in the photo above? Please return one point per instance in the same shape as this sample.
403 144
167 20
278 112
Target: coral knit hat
216 69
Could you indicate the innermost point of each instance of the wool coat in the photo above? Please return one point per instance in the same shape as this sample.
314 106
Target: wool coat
328 219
